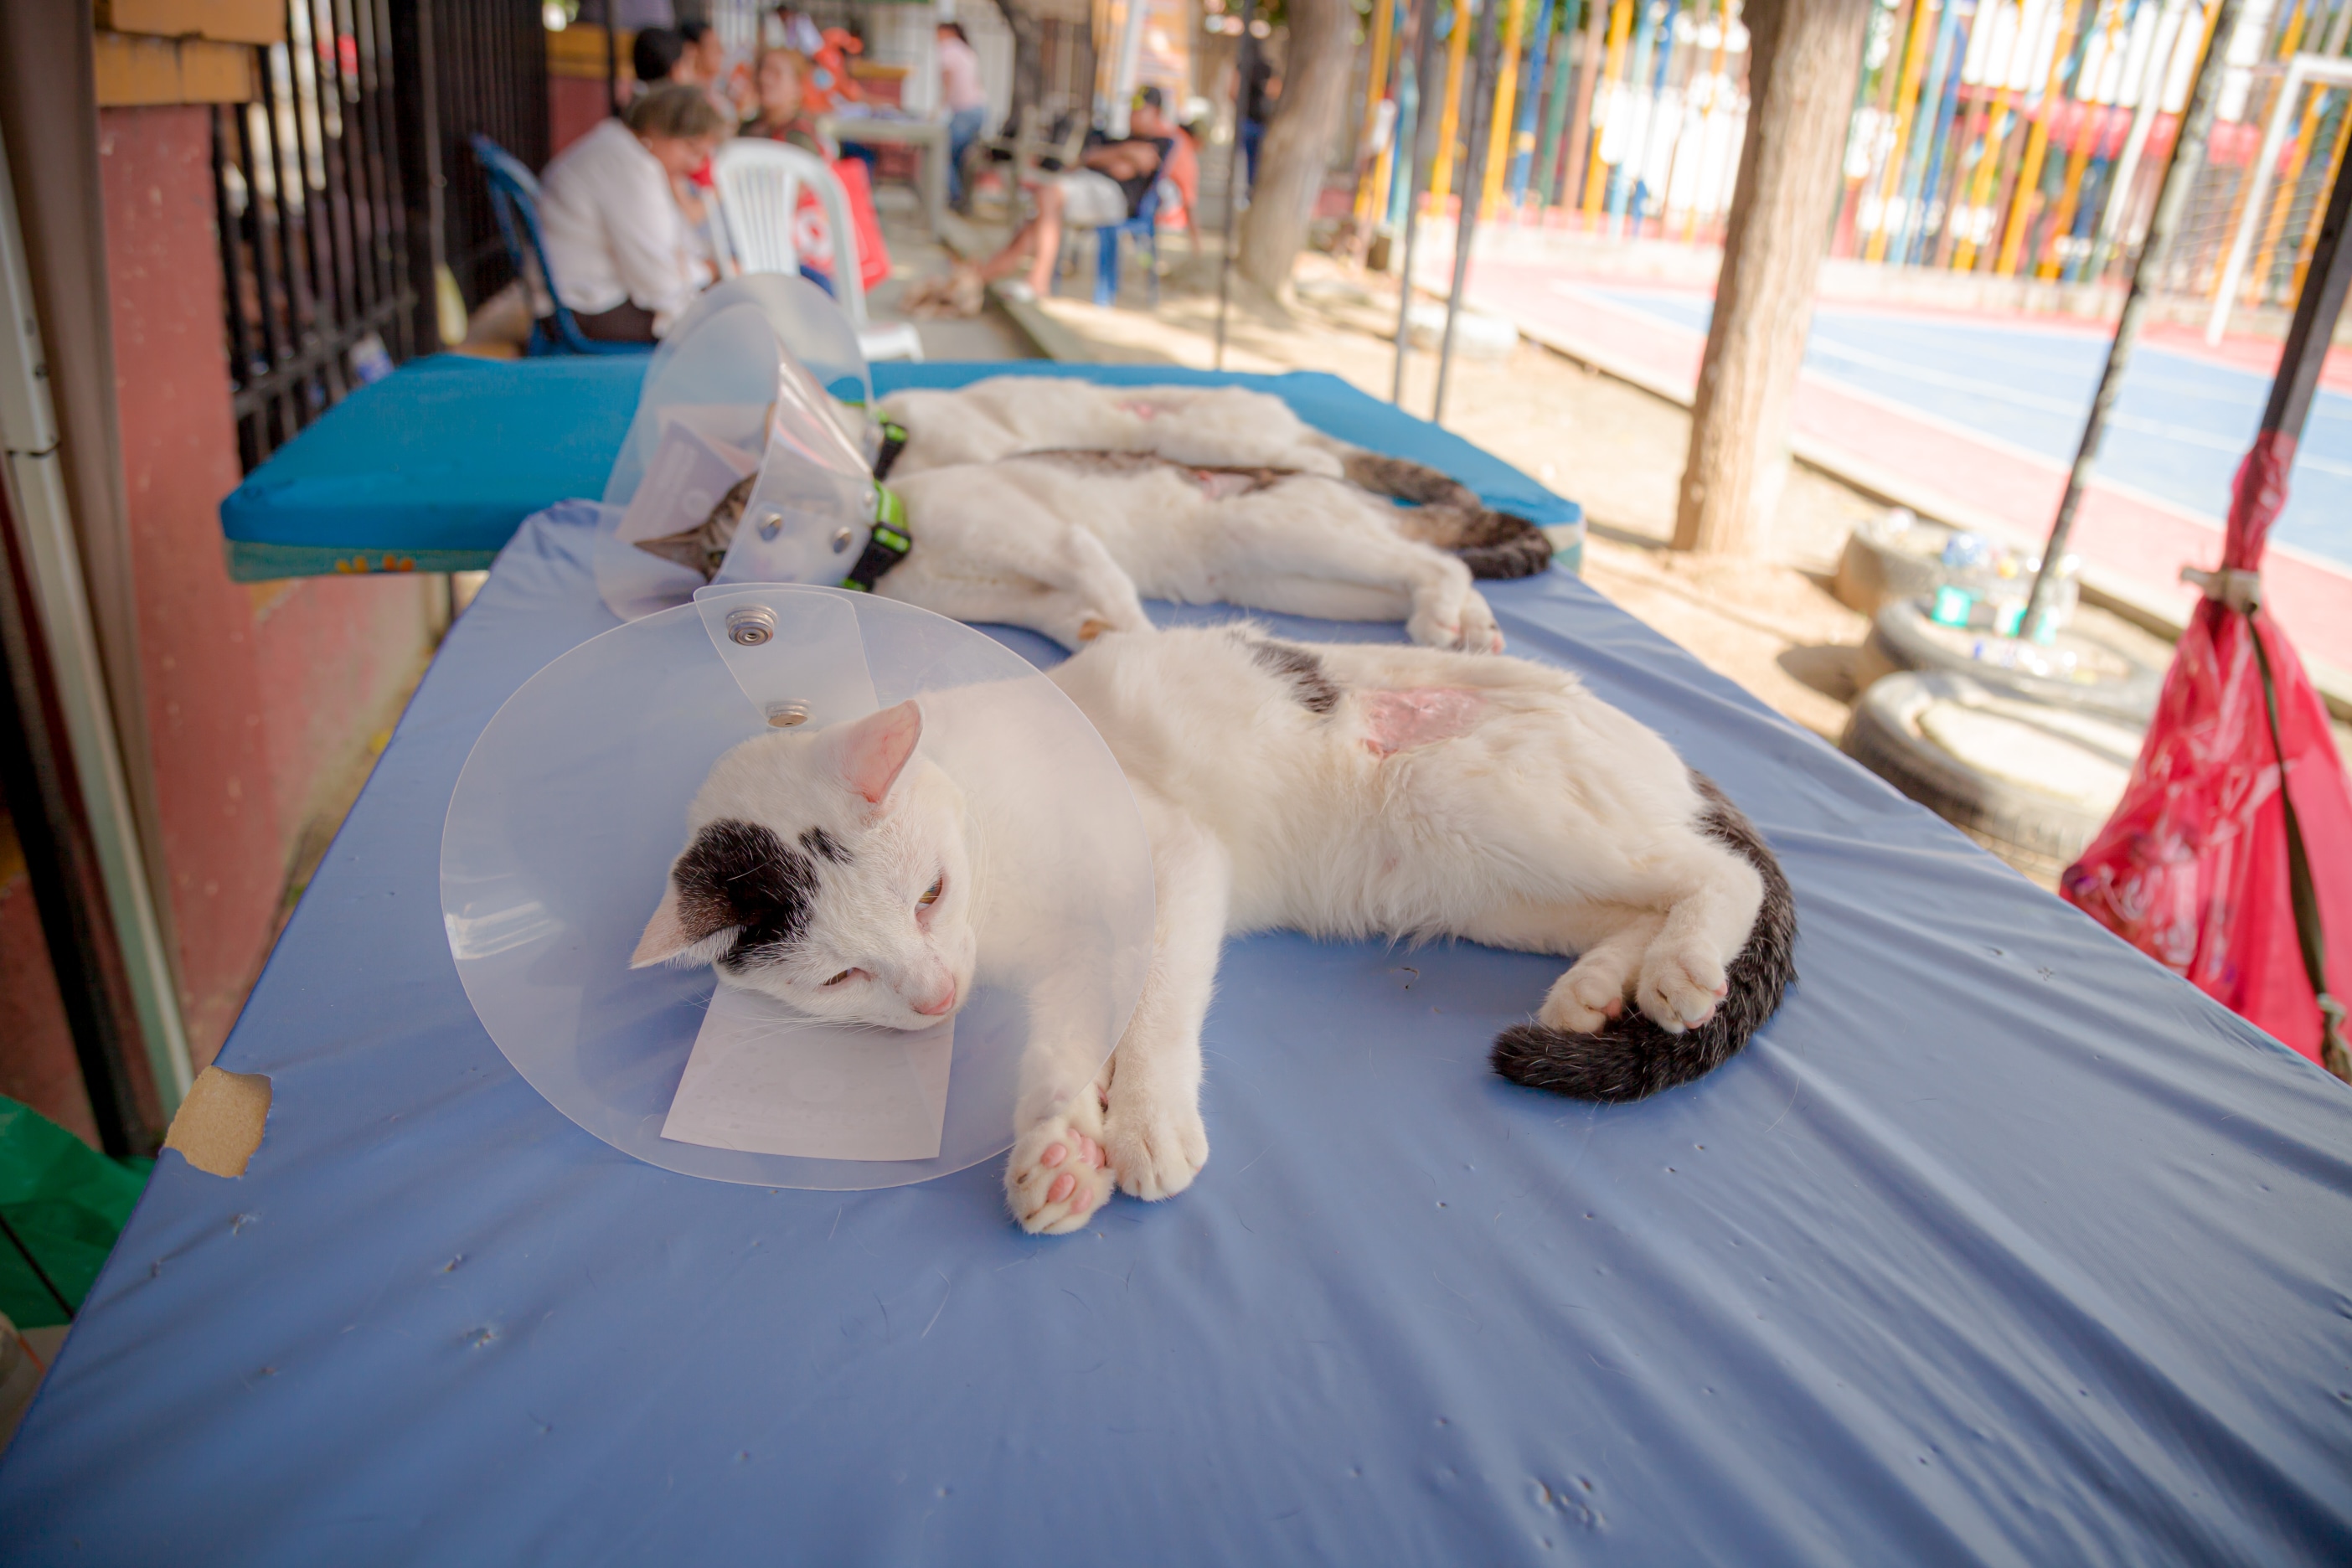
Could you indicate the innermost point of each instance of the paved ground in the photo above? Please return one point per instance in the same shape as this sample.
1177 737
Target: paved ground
2177 431
1975 424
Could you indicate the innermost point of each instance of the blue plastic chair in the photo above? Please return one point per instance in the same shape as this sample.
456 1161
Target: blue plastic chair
1144 227
514 199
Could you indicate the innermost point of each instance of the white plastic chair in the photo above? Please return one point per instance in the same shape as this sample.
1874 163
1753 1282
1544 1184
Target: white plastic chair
759 185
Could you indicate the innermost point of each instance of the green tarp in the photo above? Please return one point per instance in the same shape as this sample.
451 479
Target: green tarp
65 1203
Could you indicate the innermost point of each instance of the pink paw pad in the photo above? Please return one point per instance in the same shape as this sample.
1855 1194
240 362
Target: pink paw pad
1064 1184
1054 1155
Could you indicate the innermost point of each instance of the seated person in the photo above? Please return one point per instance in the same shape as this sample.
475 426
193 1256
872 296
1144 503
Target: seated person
617 241
659 55
1107 188
781 78
708 65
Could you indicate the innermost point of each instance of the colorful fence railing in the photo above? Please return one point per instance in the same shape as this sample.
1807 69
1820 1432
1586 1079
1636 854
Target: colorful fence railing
2013 137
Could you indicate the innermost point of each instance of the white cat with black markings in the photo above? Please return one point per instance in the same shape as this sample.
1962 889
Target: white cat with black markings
1346 790
1061 506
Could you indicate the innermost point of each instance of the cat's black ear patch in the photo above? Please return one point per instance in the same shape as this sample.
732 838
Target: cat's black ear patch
741 875
1311 688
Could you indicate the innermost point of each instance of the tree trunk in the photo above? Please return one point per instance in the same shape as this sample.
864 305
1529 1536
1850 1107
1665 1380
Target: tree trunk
1298 142
1800 78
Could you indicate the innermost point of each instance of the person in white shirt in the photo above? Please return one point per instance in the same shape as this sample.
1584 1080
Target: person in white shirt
618 242
966 100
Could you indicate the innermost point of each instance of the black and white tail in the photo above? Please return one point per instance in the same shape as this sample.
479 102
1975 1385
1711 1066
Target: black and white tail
1448 515
1631 1056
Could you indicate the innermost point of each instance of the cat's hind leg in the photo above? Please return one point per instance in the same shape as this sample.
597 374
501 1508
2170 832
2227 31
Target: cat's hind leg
1596 986
1608 939
1684 968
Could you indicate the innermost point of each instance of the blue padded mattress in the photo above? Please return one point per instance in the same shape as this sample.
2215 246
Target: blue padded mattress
1998 1245
432 467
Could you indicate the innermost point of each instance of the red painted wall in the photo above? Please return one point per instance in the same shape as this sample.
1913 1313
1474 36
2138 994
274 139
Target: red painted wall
574 107
36 1054
259 697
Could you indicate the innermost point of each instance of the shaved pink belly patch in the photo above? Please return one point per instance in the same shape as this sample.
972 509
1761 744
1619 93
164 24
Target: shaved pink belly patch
1398 721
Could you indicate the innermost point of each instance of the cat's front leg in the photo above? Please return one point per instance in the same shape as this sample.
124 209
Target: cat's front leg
1152 1128
1058 1174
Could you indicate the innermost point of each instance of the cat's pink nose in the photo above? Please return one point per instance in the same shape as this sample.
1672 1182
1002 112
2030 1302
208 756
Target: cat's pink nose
945 1004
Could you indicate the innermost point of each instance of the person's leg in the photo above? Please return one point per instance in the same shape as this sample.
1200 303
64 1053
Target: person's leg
1041 234
1045 239
1007 261
963 130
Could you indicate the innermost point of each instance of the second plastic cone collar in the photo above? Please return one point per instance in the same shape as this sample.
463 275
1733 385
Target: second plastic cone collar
740 466
570 810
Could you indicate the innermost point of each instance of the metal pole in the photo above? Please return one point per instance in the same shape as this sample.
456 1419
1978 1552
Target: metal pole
2315 312
1424 139
1242 60
1474 175
2179 174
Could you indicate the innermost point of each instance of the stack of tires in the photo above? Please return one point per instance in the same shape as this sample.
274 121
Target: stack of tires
2027 760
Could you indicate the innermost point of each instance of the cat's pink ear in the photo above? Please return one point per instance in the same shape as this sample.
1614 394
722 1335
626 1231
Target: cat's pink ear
871 752
665 935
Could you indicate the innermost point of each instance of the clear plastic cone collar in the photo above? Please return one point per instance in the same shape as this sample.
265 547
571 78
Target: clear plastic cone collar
868 863
740 466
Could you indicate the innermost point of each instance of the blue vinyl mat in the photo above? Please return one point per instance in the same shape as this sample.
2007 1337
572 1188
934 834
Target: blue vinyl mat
1998 1245
432 467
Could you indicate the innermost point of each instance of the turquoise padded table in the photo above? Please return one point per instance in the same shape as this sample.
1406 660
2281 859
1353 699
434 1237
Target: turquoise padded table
434 467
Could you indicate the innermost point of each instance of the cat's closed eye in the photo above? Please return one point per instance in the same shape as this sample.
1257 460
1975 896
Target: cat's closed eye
931 894
848 975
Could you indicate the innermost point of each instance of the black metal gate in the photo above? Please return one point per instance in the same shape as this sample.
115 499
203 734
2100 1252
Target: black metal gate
347 195
313 238
489 78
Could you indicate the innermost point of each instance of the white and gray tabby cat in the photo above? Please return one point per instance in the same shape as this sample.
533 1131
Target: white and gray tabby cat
1344 791
1062 505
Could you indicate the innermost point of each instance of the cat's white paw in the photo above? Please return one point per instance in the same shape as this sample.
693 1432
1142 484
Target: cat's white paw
1059 1173
1586 997
1680 986
1156 1149
1426 628
1479 632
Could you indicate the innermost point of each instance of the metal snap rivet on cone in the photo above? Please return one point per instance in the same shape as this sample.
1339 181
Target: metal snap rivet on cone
751 626
785 715
841 539
771 523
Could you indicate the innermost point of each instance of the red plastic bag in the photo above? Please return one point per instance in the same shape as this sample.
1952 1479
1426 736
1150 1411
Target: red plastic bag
813 234
2192 868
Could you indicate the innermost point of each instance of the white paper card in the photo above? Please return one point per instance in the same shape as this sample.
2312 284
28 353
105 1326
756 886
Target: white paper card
688 474
765 1079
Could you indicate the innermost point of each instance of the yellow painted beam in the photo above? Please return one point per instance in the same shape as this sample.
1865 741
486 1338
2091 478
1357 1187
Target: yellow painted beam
1621 28
1507 92
136 73
1449 120
222 21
